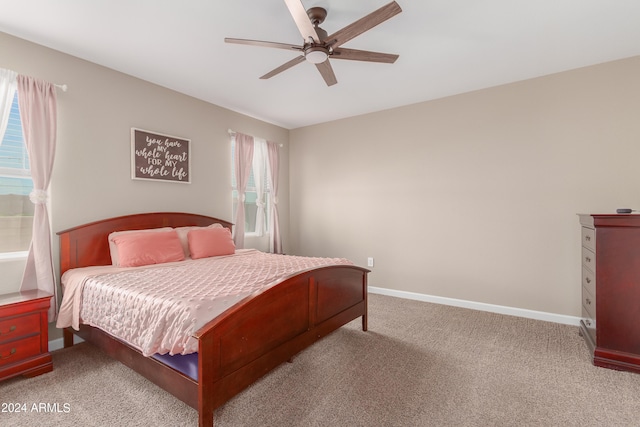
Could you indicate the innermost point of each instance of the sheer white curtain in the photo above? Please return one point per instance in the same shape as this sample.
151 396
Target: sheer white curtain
38 113
275 241
243 163
7 92
259 156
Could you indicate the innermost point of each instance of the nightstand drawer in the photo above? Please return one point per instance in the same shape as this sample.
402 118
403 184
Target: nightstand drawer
16 351
19 326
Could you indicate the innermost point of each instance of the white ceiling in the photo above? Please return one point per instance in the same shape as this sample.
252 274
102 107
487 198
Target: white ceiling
446 47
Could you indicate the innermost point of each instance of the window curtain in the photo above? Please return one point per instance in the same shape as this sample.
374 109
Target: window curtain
259 161
37 103
243 163
7 92
275 241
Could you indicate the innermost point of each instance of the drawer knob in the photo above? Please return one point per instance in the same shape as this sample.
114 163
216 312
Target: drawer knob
588 301
11 329
588 259
587 238
11 353
588 279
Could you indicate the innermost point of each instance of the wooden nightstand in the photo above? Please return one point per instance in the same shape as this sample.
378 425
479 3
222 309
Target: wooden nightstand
24 334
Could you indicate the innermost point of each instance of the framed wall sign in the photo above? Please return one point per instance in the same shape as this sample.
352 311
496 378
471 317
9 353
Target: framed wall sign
159 157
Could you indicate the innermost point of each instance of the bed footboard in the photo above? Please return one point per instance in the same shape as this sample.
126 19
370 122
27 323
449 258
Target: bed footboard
270 327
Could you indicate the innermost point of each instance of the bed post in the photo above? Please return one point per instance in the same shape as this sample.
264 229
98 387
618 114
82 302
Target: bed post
67 337
207 375
365 296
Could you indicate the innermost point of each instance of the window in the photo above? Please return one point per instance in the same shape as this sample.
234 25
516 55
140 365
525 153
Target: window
256 220
16 210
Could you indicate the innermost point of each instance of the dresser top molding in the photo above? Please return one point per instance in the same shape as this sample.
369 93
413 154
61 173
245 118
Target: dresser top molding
610 220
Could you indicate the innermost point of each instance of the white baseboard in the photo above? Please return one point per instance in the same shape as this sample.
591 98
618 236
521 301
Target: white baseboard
500 309
58 343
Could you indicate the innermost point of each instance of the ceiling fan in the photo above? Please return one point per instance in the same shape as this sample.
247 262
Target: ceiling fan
318 46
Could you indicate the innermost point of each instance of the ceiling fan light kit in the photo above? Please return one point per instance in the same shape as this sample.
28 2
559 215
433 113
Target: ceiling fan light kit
318 46
316 54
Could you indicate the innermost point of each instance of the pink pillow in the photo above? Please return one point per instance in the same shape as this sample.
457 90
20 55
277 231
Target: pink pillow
208 242
182 234
136 249
113 249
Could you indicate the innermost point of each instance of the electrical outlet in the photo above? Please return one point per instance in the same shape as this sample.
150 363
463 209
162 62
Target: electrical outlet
370 261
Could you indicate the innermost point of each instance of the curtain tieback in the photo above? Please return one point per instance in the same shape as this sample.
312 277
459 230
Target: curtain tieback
274 200
38 197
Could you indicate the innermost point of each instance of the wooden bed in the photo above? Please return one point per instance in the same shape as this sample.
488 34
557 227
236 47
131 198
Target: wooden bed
246 341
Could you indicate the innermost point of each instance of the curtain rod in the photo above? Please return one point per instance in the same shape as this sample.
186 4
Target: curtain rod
64 87
233 133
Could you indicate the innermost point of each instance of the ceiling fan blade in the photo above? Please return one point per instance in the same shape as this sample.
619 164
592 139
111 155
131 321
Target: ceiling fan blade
327 73
363 24
264 44
364 55
283 67
299 14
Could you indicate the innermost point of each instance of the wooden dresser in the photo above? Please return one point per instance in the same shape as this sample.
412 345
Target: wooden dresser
24 334
610 321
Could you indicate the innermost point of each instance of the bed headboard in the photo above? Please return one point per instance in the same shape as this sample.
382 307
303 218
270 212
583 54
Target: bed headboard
87 245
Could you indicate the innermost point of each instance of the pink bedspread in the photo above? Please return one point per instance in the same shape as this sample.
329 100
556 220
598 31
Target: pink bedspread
157 308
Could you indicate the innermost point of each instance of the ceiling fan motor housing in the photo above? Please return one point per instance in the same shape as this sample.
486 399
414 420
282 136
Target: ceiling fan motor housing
317 53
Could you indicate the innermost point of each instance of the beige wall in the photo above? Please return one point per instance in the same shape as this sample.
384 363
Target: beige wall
475 196
92 173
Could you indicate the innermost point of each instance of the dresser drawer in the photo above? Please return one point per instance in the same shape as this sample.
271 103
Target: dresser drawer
589 238
19 326
589 280
589 303
590 323
16 351
589 259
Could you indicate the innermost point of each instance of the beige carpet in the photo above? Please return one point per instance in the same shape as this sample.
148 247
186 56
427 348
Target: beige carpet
420 364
